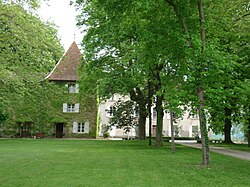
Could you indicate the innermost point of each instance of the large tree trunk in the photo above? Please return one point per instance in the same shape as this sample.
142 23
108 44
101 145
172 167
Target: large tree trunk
142 121
137 96
200 91
182 20
172 132
203 129
160 114
228 125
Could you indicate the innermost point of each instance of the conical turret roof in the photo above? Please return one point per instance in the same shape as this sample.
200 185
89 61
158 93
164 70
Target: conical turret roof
66 68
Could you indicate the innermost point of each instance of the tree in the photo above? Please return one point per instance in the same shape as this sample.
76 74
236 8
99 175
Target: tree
29 49
113 61
197 63
30 4
200 92
246 109
166 42
205 63
124 116
236 43
127 52
3 117
231 33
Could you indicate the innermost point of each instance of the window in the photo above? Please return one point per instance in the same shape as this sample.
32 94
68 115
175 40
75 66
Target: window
195 132
111 111
112 98
73 88
177 130
193 115
154 113
80 128
71 108
136 113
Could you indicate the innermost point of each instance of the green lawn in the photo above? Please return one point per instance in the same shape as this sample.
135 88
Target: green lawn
30 162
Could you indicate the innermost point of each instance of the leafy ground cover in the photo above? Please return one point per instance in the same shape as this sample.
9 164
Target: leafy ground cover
44 162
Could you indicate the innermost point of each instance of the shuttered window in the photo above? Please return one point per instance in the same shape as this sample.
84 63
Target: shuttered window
86 127
71 108
75 125
80 127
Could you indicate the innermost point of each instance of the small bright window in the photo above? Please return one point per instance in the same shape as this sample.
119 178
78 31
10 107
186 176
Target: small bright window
73 88
74 107
71 108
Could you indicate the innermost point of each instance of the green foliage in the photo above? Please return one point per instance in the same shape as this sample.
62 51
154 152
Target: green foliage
160 41
230 34
58 120
3 115
29 49
30 4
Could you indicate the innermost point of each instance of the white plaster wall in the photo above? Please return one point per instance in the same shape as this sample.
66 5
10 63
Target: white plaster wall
186 122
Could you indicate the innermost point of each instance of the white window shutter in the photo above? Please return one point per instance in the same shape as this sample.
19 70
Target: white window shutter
77 88
75 127
65 107
86 127
168 116
71 89
77 106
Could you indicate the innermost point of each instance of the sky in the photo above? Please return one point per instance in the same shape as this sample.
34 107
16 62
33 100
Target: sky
64 16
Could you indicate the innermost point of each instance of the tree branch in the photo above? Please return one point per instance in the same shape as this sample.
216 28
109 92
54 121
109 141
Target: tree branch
202 28
182 20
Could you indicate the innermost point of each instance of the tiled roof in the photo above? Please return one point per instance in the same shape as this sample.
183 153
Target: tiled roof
66 68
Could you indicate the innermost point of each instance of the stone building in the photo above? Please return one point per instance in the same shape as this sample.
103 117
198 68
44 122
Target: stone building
75 115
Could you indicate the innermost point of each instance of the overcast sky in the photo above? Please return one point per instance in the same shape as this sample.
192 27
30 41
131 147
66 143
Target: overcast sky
64 16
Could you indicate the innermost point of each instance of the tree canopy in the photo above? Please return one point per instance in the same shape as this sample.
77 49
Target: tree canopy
194 53
29 49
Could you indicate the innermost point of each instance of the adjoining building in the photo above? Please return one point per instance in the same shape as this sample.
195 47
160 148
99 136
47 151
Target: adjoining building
186 126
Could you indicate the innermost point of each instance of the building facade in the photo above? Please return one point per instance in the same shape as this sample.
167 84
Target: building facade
74 114
186 126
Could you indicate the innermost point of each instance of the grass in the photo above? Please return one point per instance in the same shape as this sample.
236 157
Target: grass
240 147
29 162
